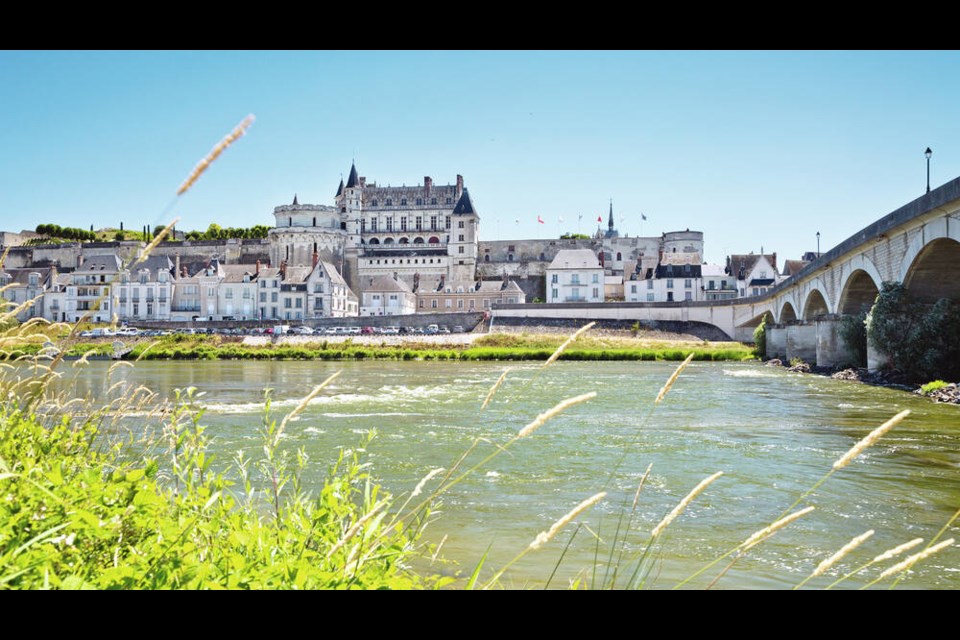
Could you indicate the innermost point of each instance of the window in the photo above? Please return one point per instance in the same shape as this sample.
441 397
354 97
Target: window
273 312
433 223
446 222
299 304
575 293
419 202
486 258
228 293
403 202
389 202
596 278
554 294
711 285
393 296
575 278
448 303
460 238
459 249
273 297
633 288
263 296
373 225
669 283
433 304
287 303
422 301
433 201
763 274
449 201
373 203
263 285
554 278
596 293
246 294
136 309
687 283
318 287
687 295
649 284
403 223
510 257
460 303
649 297
472 303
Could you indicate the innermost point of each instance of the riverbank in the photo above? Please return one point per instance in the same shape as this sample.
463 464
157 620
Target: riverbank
948 393
604 345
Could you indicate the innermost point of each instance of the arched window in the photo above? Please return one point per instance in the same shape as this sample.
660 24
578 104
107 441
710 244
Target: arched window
619 256
314 220
433 201
403 241
418 241
290 222
373 202
486 258
419 201
389 202
388 241
510 257
434 240
403 202
374 241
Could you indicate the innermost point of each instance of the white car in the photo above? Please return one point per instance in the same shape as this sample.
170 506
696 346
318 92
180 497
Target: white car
302 331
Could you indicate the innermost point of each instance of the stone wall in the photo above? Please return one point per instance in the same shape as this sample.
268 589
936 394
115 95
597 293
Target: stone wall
467 320
700 330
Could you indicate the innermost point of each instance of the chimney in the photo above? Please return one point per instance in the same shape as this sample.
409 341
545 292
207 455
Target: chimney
176 268
257 272
316 259
183 272
53 273
363 181
80 261
459 186
427 184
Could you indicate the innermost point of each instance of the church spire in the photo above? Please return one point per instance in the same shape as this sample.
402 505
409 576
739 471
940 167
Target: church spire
610 220
295 203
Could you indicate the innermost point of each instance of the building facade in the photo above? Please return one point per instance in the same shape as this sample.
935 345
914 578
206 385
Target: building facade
575 275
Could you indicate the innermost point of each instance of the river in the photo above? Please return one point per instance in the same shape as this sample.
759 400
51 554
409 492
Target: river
772 433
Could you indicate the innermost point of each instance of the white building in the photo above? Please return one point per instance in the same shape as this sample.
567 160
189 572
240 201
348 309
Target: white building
716 283
18 286
328 295
89 295
386 296
145 290
196 295
575 275
755 273
237 293
457 297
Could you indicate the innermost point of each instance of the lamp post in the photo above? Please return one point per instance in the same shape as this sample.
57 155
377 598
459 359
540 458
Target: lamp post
818 244
928 153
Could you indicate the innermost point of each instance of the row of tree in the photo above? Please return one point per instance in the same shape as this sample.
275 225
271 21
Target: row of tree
66 233
216 232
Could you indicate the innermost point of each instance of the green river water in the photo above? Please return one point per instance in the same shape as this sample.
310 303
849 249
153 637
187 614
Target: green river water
772 433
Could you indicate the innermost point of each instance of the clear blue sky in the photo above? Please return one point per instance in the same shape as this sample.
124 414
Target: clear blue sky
752 148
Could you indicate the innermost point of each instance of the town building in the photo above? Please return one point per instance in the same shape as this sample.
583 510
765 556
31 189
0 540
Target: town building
89 295
755 273
23 290
387 296
479 295
575 275
145 290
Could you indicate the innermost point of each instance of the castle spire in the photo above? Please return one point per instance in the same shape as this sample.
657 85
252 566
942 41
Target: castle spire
295 203
340 188
353 180
610 220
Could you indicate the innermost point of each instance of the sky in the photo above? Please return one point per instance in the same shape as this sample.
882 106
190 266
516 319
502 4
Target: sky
756 149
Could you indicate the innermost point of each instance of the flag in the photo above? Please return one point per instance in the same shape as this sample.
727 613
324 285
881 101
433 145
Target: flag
560 219
518 220
599 218
540 220
643 217
580 217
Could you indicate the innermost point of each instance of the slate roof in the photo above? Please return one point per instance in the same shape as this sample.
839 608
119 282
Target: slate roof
575 259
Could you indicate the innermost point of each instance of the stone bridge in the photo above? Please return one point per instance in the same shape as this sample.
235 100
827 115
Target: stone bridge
918 245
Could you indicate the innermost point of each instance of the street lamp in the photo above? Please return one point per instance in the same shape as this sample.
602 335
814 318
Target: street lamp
928 153
818 244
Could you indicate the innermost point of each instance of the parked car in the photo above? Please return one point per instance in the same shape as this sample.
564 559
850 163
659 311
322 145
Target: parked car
444 329
302 331
368 331
457 329
390 331
432 328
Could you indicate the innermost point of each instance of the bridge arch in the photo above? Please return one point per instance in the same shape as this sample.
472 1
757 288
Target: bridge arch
928 276
859 291
788 312
816 304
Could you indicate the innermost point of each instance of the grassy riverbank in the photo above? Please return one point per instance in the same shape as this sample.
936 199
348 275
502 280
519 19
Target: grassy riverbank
532 346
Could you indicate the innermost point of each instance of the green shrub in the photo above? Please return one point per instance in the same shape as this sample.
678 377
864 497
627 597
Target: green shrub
760 339
853 332
930 387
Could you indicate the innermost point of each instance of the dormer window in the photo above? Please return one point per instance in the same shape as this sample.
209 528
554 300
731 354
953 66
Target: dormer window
389 202
419 202
373 203
433 201
34 279
403 202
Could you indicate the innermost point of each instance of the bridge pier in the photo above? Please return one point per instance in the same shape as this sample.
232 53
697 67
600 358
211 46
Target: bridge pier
776 341
831 348
802 342
876 359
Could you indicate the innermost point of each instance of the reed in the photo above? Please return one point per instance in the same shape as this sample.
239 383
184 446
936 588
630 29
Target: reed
220 147
683 504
